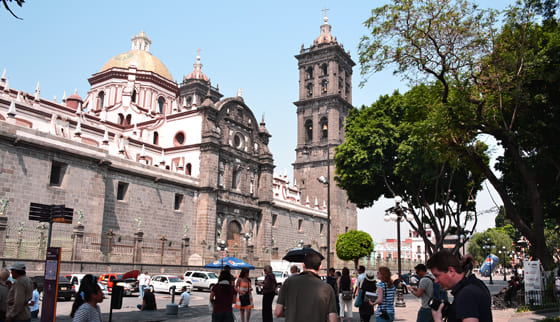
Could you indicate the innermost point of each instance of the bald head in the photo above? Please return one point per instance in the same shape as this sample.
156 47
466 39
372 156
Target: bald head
4 274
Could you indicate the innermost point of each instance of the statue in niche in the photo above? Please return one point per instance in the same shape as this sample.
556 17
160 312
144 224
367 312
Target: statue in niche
139 223
80 216
186 229
4 205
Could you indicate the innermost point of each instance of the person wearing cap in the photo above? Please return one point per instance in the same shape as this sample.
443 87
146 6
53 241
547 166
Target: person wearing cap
4 274
20 293
368 286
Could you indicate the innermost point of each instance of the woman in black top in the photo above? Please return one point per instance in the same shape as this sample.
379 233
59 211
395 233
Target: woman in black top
345 287
369 285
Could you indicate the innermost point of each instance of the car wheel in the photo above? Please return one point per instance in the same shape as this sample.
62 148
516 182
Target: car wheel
210 287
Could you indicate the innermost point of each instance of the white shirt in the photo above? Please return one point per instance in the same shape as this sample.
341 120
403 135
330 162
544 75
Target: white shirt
142 279
185 299
35 300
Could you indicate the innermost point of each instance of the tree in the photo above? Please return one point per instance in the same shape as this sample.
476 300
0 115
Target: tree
385 154
18 2
498 240
354 245
497 84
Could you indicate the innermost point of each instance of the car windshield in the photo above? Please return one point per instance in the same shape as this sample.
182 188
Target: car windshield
174 279
277 274
212 275
119 277
62 279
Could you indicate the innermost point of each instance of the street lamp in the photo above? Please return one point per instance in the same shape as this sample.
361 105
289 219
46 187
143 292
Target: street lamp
504 254
398 213
222 248
327 181
488 246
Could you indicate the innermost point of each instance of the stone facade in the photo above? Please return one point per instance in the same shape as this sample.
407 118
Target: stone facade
159 173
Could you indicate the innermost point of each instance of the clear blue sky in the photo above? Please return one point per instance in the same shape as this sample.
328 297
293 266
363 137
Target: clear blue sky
244 44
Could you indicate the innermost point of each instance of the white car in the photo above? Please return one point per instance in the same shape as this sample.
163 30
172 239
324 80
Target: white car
201 279
76 280
165 283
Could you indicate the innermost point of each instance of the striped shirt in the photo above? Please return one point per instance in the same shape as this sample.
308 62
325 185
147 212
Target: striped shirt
388 299
87 313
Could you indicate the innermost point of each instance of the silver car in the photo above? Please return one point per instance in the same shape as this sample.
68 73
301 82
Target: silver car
165 283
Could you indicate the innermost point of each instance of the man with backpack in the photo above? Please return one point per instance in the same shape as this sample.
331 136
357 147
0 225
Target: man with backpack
425 291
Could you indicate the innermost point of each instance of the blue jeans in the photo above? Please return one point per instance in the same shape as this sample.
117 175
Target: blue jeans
425 315
391 318
141 290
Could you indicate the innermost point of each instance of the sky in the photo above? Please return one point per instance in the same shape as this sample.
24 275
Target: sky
247 45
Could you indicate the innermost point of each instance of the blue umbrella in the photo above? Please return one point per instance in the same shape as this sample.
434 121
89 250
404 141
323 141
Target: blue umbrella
233 262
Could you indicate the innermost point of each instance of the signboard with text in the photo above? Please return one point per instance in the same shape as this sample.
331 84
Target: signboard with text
50 284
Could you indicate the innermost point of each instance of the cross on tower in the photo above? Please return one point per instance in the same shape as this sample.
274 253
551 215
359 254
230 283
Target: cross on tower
198 51
325 11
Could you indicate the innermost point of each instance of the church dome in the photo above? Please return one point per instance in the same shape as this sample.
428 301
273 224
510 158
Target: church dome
140 57
197 71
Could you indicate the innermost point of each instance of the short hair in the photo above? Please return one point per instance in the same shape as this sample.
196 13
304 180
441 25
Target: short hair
332 270
293 269
312 260
361 269
4 274
227 268
268 269
183 289
444 259
421 267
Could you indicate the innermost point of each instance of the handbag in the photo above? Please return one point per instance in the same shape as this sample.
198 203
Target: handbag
346 295
359 298
245 299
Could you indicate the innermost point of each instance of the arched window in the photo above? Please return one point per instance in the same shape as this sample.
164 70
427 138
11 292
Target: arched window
101 98
236 178
309 72
121 119
160 103
128 119
309 130
324 68
188 169
324 86
324 128
233 234
134 96
156 138
309 89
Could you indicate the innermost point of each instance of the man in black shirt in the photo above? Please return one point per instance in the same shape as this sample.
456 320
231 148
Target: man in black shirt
471 294
148 301
331 280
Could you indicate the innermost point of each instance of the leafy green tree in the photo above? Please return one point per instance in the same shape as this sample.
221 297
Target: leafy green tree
384 155
354 245
18 2
498 240
497 84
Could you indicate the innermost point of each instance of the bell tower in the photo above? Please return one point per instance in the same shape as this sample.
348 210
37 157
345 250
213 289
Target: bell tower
325 98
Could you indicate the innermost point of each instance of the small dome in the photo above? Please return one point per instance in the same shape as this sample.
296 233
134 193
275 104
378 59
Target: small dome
197 72
139 57
325 36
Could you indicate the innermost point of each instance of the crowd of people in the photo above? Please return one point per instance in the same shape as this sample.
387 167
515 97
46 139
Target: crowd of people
304 296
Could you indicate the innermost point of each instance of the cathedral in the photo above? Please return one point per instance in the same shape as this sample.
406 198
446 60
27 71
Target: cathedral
165 172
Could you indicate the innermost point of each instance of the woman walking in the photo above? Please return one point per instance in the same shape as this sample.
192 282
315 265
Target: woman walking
385 296
368 287
85 307
345 294
222 297
244 300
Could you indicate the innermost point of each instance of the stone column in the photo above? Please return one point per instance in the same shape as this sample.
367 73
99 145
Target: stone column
138 239
185 250
3 228
251 253
78 234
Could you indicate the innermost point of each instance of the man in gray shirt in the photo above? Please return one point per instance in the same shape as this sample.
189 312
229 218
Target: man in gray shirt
424 290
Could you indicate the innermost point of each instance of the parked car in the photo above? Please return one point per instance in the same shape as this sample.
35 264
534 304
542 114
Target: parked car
107 280
76 280
165 283
129 285
201 279
64 287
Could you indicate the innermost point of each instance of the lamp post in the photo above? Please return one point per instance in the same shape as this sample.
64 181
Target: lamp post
488 246
398 213
327 182
222 248
504 254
